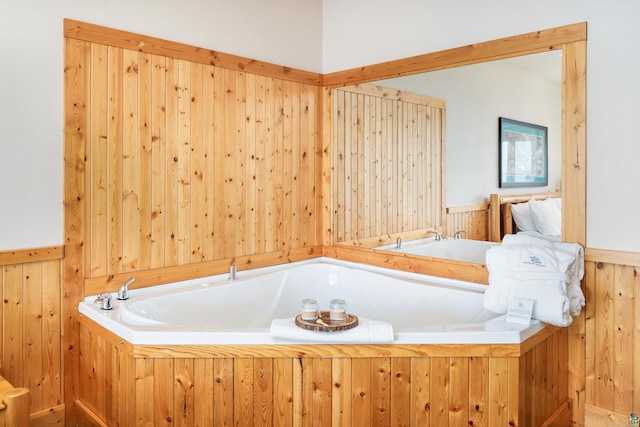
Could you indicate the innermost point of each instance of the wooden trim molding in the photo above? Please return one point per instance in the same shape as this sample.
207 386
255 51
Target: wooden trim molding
612 257
21 256
396 95
137 42
537 41
467 208
153 277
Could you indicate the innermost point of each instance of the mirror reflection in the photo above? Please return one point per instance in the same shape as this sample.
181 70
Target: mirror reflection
526 88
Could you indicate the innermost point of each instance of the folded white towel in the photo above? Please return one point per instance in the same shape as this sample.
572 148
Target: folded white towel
551 304
367 331
504 260
575 270
537 272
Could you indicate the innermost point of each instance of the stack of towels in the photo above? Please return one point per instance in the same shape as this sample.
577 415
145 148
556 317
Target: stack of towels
549 273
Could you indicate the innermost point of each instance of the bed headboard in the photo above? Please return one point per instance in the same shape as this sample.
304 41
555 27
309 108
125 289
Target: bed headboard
500 217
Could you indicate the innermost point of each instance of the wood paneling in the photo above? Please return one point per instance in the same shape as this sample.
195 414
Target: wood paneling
30 318
613 336
189 163
330 388
388 162
185 164
473 219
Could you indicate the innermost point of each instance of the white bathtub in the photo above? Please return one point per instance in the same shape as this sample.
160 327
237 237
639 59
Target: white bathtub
473 251
214 310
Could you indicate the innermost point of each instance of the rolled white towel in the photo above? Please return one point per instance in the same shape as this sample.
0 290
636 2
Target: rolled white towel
575 269
575 249
576 298
367 331
551 303
506 260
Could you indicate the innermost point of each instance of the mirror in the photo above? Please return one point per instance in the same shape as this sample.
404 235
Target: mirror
527 88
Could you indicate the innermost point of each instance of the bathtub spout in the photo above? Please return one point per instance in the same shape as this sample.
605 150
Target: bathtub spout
437 233
233 269
458 233
123 292
399 243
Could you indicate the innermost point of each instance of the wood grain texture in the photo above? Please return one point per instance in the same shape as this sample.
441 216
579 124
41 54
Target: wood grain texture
133 154
389 162
537 41
31 255
136 42
289 389
613 337
30 315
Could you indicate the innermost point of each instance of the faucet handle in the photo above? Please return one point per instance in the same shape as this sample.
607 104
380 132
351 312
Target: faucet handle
458 233
104 301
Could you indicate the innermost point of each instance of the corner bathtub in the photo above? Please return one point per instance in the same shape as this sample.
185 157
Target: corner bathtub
465 250
199 352
215 310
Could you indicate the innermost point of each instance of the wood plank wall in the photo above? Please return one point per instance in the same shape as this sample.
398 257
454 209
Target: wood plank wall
31 321
474 219
613 332
188 162
388 162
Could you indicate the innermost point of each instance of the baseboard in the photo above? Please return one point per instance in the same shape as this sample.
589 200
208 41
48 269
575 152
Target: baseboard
561 417
600 417
86 417
53 416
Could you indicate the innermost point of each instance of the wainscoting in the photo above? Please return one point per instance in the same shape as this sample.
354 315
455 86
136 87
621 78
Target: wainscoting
30 320
612 291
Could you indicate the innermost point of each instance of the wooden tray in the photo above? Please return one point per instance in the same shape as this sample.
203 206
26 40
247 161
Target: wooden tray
329 325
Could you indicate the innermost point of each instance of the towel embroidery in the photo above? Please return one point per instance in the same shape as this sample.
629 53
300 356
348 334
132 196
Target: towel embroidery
534 260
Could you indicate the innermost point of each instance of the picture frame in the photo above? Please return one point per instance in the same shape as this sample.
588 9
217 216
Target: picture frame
522 154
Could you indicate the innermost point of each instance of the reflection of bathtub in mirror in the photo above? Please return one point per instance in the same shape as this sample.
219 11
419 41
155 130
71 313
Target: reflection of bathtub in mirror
465 250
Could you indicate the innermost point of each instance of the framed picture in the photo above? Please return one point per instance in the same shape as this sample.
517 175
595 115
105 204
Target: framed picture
522 154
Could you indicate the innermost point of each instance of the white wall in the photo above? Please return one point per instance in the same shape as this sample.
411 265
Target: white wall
320 36
476 96
284 32
411 27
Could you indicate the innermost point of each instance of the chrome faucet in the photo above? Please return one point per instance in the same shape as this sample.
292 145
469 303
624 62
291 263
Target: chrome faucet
233 269
458 233
123 292
437 233
104 301
399 243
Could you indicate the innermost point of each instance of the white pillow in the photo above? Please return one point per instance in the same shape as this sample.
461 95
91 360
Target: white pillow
547 216
522 217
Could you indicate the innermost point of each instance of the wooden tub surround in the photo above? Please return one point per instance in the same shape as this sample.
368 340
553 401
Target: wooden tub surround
339 385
